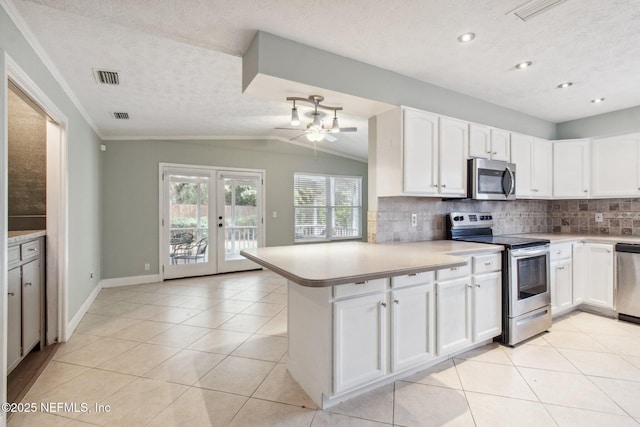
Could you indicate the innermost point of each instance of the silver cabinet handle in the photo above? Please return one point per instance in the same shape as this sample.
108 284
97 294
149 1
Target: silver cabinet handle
396 301
495 152
11 294
434 185
559 268
469 286
28 284
586 191
383 304
454 268
535 190
360 283
32 249
477 285
412 274
488 263
444 186
558 252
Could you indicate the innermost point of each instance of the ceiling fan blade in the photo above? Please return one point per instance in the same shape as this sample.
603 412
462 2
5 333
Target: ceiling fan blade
299 130
330 138
296 137
348 129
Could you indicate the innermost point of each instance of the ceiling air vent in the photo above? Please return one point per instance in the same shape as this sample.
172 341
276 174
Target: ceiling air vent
107 77
121 116
534 8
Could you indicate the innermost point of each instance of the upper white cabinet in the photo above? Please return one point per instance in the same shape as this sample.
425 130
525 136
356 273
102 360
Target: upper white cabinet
488 143
615 166
533 158
571 168
452 166
420 152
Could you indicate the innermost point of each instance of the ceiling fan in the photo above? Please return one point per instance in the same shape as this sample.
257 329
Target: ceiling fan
315 131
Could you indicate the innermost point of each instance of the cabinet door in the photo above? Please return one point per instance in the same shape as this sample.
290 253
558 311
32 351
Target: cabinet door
578 266
359 341
452 148
420 152
487 306
541 167
14 320
479 141
571 169
412 326
615 166
453 314
30 304
599 274
561 285
500 142
521 156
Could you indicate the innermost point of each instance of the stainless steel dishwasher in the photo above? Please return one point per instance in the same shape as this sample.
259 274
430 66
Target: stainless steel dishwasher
628 273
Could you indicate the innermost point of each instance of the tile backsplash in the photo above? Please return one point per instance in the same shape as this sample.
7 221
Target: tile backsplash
392 221
620 216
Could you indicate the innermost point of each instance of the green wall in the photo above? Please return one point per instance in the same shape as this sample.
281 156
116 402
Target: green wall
83 162
608 124
130 190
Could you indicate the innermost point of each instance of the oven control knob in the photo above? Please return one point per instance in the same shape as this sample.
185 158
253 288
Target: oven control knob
490 217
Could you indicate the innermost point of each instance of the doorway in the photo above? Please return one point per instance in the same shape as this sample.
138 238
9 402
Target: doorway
208 215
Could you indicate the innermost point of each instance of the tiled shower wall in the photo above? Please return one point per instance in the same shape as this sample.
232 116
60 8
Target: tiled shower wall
392 221
621 216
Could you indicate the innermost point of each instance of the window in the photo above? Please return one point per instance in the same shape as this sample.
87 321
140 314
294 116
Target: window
327 207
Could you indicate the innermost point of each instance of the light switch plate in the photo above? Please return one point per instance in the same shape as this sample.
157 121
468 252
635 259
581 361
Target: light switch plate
414 220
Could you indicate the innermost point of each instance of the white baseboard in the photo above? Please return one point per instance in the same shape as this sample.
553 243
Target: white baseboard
131 280
73 324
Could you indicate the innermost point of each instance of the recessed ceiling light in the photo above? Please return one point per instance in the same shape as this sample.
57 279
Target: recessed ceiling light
466 37
597 100
524 65
565 85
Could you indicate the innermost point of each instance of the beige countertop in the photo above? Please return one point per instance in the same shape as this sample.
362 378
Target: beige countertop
594 238
328 264
15 237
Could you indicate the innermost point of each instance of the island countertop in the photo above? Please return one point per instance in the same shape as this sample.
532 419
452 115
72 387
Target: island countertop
328 264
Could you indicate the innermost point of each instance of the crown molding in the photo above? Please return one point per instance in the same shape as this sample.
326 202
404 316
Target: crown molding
24 29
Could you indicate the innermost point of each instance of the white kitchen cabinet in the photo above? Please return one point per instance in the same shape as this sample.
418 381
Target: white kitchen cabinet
487 306
598 289
452 153
14 320
571 168
31 304
412 326
453 314
360 341
578 272
615 166
533 158
561 286
488 143
420 152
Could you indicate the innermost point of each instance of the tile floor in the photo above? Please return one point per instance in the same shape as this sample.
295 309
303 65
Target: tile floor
212 351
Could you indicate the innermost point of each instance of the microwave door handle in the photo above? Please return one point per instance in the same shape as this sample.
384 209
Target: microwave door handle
512 183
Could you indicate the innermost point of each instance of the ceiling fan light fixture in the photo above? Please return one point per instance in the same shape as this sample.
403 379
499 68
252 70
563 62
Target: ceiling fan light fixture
315 136
295 119
335 128
317 124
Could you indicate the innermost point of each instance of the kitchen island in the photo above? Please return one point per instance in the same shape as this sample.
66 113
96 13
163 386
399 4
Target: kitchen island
361 315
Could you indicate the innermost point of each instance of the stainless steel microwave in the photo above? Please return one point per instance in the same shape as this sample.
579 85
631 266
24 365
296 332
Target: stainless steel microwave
491 180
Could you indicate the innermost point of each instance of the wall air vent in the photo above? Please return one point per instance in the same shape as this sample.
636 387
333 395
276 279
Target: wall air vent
534 8
121 116
107 77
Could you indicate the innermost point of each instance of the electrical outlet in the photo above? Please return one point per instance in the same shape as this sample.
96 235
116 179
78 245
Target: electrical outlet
599 217
147 267
414 220
275 214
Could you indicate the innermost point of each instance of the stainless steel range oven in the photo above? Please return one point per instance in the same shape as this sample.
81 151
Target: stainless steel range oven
526 295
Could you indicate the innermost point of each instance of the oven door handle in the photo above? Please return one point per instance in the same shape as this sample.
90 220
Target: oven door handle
525 253
512 183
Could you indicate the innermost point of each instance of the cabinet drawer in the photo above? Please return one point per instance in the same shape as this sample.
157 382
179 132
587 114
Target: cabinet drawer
561 251
359 288
30 249
454 272
413 279
13 255
487 263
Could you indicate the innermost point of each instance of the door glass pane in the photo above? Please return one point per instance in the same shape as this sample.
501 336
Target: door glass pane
188 219
241 215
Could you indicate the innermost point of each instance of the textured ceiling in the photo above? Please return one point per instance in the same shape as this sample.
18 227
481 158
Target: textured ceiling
181 68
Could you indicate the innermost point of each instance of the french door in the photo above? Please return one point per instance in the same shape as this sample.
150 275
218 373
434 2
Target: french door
208 216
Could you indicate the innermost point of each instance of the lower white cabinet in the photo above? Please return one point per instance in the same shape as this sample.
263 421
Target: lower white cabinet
561 285
598 281
454 315
360 347
412 326
14 320
579 273
487 306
